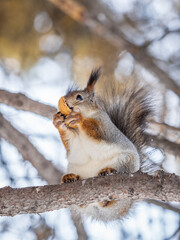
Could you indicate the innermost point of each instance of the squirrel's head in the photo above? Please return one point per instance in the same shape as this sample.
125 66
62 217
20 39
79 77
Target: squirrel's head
83 100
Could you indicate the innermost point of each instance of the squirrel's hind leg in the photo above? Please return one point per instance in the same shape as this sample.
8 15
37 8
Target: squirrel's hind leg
107 171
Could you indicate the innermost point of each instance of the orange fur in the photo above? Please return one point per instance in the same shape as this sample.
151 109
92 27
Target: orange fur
91 127
64 140
73 120
70 177
107 203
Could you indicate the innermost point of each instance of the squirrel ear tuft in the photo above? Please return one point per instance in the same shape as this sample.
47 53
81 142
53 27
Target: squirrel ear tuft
95 74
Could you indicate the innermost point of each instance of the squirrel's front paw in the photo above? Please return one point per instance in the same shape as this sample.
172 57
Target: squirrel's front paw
107 171
70 177
58 120
73 119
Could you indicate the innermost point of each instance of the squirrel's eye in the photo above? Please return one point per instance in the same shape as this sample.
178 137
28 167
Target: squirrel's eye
79 97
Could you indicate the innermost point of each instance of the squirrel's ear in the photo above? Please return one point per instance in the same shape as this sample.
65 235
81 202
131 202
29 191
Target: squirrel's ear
95 74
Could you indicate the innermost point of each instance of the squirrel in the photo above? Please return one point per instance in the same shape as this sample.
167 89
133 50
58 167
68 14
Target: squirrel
103 134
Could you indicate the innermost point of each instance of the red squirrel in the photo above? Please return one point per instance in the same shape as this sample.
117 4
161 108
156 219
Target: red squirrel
102 135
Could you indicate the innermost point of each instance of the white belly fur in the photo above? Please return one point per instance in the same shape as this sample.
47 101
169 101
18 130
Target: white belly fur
88 156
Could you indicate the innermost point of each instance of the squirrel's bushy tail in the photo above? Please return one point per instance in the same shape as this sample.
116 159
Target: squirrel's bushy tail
129 106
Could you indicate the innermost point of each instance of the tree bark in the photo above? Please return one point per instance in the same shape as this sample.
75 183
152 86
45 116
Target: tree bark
137 187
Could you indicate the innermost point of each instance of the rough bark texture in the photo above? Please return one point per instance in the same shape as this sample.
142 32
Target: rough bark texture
21 102
44 167
121 186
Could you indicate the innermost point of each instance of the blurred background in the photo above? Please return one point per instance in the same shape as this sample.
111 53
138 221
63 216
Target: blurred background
45 46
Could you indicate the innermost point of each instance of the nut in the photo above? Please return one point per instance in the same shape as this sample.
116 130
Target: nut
63 107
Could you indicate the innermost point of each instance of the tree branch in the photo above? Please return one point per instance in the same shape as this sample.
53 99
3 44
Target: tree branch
121 186
44 167
21 102
164 125
164 205
112 35
78 223
164 144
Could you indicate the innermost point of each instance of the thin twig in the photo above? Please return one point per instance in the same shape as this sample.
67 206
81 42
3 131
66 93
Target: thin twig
166 126
164 144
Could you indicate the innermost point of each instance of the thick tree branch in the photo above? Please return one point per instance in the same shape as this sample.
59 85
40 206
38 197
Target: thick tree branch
116 38
44 167
21 102
121 186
